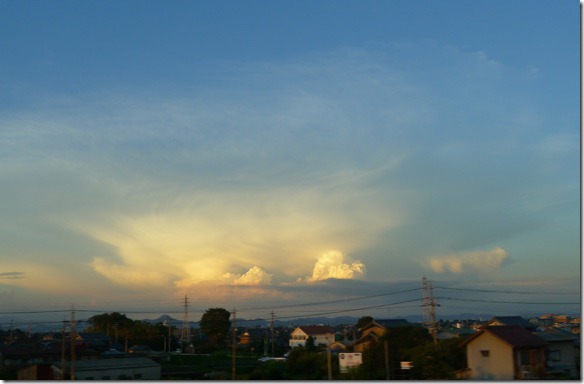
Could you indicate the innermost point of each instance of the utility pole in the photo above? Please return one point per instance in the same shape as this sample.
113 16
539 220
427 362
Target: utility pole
233 342
273 336
386 350
72 335
63 350
328 359
169 329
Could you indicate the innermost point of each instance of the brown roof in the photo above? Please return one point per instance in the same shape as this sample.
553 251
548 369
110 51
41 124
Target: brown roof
515 336
317 329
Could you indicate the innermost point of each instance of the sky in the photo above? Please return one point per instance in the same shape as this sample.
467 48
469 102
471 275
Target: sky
297 156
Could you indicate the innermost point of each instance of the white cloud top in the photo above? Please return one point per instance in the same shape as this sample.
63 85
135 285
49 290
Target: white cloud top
332 265
255 276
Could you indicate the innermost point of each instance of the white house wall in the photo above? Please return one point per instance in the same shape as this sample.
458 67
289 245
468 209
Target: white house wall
497 366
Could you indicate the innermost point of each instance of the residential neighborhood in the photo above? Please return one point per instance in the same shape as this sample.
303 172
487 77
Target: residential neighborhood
500 348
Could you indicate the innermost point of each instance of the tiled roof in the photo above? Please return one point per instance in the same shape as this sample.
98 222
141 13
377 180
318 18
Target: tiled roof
512 320
515 336
551 335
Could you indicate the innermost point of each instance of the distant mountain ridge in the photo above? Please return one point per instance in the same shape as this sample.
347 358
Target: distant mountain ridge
53 326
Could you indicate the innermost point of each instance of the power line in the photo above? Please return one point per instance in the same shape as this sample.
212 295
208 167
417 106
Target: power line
330 301
506 302
353 309
505 291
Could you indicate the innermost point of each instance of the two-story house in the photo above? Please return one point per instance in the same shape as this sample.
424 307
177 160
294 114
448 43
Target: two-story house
322 335
504 353
374 330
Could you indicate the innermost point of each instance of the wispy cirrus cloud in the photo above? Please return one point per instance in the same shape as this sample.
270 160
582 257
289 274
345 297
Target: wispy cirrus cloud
469 262
12 275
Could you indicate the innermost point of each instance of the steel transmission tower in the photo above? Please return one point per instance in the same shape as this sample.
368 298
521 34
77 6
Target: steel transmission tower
185 333
430 309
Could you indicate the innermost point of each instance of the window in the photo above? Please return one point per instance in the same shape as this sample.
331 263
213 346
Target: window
530 357
555 355
485 353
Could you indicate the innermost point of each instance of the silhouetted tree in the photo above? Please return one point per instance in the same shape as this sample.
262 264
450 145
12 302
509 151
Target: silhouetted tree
310 344
216 324
363 321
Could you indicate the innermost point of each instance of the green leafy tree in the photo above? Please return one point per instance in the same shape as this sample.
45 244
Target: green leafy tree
303 364
436 362
271 370
216 324
399 341
117 325
108 321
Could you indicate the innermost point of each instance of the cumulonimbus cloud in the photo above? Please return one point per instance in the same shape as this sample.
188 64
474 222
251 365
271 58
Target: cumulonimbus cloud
332 265
255 276
478 261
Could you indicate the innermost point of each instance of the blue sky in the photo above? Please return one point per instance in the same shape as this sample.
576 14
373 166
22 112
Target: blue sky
262 152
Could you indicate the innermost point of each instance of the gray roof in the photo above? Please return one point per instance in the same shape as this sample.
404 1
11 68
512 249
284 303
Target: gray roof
514 335
104 364
551 335
512 320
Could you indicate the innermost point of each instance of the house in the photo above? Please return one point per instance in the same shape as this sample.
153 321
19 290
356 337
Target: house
504 352
340 346
135 368
374 330
561 347
139 349
450 333
322 334
511 320
96 340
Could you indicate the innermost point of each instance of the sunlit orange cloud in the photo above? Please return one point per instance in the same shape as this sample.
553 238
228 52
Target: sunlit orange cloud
239 238
335 265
